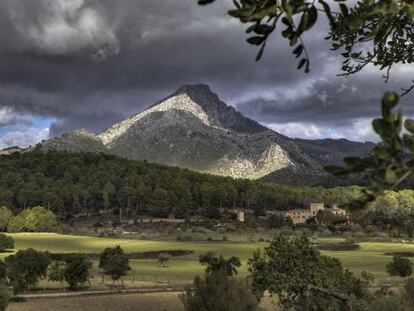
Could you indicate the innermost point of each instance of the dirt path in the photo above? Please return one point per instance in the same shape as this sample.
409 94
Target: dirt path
103 292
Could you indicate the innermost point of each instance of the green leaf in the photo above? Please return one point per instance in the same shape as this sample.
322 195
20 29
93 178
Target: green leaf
344 9
257 40
409 142
409 125
298 50
382 152
382 128
308 19
328 12
260 53
354 22
205 2
389 100
390 175
263 29
302 63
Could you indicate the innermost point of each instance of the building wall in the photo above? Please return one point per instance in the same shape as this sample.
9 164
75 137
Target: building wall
240 216
301 215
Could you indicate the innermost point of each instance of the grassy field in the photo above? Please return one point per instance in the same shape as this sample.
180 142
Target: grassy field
370 257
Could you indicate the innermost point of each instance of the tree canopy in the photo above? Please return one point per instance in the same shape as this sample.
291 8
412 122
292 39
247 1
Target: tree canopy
26 267
300 276
218 263
114 262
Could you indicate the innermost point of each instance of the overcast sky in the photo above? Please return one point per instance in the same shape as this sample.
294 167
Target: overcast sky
69 64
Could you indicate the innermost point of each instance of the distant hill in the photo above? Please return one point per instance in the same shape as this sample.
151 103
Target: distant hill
194 129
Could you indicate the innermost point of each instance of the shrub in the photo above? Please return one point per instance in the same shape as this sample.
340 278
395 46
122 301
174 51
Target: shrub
388 303
163 258
342 246
6 242
400 266
219 263
217 291
409 291
4 297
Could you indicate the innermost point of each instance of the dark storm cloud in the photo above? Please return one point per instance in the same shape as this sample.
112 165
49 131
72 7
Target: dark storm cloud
89 63
336 101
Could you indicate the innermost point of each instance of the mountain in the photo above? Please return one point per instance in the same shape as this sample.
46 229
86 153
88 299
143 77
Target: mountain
194 129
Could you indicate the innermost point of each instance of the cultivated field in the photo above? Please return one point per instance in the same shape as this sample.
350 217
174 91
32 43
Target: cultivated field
370 257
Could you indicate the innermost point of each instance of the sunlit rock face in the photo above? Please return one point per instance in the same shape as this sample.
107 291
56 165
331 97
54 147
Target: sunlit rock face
193 129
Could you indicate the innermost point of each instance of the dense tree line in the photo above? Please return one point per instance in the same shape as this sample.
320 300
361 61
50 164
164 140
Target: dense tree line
84 183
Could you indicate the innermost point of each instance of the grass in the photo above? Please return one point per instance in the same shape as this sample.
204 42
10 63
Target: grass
370 257
118 302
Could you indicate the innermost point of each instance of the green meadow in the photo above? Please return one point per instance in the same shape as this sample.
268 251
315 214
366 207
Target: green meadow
370 257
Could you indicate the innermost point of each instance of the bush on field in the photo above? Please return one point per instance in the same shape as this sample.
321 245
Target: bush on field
6 242
400 266
218 291
342 246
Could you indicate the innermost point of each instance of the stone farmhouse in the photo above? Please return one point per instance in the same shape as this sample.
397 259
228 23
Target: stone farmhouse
299 216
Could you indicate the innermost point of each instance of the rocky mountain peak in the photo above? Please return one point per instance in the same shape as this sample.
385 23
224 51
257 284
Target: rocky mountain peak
219 114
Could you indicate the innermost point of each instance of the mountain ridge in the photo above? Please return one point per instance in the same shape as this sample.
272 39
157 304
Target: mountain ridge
194 129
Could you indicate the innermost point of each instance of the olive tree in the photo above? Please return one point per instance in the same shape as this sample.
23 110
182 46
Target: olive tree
301 277
26 267
56 272
77 270
114 262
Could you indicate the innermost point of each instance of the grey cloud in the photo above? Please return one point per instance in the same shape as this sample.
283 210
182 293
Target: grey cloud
89 63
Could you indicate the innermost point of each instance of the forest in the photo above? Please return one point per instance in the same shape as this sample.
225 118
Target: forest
84 183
